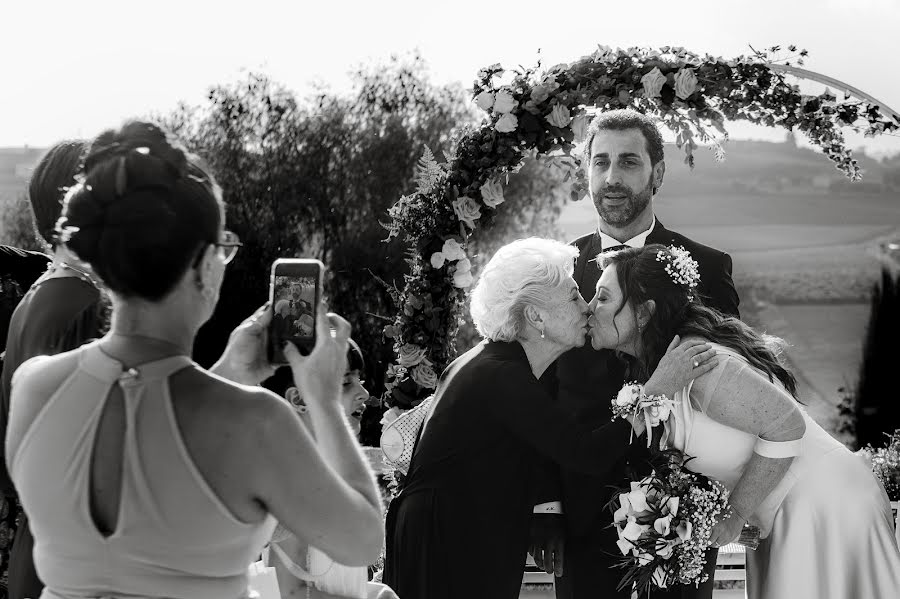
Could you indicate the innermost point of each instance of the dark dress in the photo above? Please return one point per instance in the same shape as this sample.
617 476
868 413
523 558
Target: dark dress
56 315
460 526
588 379
18 270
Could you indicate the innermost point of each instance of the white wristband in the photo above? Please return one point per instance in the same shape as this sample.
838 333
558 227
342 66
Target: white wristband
551 507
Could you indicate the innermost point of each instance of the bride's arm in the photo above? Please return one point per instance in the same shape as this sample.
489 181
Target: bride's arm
745 399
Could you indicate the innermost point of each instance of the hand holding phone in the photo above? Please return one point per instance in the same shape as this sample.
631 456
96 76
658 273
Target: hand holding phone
244 359
319 375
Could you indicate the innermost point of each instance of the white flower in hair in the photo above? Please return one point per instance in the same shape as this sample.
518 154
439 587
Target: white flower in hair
680 266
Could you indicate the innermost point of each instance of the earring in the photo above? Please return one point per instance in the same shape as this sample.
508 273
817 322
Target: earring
542 333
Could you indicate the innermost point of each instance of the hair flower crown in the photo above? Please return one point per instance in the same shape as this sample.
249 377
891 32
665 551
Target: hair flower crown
680 266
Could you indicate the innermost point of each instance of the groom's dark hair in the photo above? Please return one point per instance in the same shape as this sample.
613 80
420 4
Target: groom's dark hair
623 120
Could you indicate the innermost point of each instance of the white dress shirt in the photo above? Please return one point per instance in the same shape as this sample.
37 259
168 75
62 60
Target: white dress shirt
638 241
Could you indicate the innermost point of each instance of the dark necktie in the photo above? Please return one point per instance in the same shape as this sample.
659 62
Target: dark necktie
615 248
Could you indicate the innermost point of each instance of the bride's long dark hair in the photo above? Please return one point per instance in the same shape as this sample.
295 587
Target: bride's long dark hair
642 277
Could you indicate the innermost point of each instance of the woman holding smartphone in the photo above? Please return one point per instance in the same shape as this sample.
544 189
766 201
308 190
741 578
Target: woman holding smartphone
144 474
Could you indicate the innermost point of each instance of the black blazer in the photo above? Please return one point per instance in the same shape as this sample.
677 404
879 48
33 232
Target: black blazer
469 493
588 379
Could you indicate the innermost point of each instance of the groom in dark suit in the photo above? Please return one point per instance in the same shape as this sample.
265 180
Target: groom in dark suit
625 167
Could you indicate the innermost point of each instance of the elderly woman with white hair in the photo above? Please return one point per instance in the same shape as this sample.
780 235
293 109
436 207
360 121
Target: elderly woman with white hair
468 497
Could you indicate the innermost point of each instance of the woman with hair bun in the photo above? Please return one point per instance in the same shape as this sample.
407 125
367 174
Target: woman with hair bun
143 474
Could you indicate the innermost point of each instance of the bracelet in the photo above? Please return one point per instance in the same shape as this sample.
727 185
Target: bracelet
653 401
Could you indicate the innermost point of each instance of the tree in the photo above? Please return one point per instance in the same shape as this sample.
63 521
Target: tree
17 224
314 178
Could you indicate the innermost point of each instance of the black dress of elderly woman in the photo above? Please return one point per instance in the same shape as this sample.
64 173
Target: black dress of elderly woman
460 526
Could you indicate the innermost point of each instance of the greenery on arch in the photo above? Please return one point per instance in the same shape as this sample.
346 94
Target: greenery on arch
545 114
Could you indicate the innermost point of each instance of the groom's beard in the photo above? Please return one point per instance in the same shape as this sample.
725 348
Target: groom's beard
625 213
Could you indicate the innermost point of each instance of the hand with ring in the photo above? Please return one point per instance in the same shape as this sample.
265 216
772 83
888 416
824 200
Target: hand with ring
683 362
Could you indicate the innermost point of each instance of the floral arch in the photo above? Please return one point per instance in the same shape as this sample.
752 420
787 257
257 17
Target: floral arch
545 114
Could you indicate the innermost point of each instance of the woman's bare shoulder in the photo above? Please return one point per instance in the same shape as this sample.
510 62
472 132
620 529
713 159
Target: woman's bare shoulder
223 403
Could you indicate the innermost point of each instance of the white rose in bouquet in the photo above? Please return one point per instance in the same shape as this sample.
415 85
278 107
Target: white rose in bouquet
627 395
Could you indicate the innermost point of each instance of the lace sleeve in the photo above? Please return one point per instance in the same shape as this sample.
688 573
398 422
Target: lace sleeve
737 395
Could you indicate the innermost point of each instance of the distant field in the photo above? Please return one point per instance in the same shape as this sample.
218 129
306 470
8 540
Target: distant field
729 209
791 248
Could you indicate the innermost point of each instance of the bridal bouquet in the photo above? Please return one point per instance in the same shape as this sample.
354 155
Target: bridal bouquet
664 522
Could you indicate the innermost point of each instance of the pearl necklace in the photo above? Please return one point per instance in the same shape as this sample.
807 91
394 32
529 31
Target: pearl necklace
79 273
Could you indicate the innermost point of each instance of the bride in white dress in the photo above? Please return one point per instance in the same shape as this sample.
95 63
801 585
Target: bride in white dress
825 520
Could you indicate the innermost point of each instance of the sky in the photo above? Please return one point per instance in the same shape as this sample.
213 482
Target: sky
71 69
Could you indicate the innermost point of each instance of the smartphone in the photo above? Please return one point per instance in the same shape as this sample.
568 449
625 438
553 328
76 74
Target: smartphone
295 292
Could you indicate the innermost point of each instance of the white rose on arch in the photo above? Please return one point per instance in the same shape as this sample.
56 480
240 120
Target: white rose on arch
452 250
463 279
653 82
507 123
424 375
438 259
484 100
685 83
467 210
411 354
579 127
504 102
539 93
559 116
492 193
464 265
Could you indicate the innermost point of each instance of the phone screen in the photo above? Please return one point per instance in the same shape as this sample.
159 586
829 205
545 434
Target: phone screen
295 296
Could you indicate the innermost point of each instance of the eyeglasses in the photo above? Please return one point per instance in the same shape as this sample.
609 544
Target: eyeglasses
228 246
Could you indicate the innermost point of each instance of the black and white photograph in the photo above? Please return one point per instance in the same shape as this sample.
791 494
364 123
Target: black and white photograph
405 300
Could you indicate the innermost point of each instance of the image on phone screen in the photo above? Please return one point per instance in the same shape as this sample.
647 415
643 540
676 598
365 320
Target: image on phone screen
294 317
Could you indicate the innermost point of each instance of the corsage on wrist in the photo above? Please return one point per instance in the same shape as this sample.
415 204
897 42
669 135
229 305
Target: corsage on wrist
632 399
